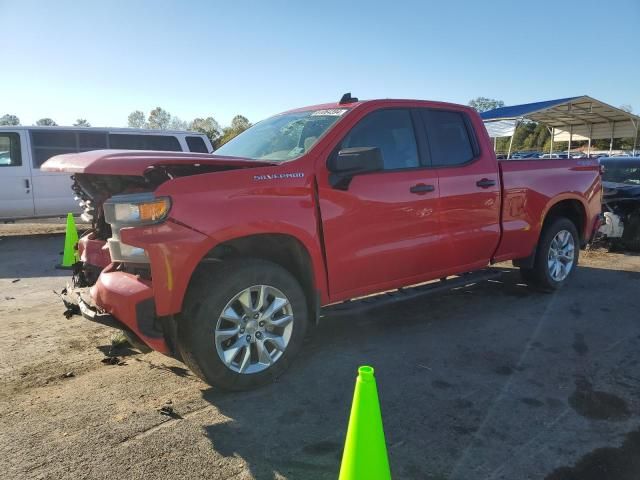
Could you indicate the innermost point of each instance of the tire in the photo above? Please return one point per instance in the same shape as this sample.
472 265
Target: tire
205 337
631 233
543 276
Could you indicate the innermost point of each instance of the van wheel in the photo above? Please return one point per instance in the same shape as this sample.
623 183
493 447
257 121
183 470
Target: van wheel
556 255
243 323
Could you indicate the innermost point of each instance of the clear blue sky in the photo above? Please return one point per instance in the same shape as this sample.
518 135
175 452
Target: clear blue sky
101 60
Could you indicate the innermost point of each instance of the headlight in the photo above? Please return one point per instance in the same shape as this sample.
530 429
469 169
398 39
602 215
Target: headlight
136 209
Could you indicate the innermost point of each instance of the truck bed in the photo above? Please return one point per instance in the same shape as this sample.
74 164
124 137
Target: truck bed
530 186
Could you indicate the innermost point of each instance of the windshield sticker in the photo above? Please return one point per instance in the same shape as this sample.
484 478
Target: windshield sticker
334 112
278 176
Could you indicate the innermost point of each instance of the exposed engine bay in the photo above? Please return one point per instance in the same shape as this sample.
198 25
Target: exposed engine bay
621 202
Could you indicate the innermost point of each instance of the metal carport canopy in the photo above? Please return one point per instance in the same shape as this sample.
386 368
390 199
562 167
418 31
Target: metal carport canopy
573 118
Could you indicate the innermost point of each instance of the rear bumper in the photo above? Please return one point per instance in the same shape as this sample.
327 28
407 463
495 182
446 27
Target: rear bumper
121 300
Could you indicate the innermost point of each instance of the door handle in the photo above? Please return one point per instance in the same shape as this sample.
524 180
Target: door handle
485 183
27 184
421 188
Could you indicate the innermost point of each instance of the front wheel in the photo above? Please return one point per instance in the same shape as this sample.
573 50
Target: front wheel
556 255
242 324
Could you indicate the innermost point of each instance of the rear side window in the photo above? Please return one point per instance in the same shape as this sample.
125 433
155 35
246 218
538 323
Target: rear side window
448 138
92 141
144 142
10 155
392 132
46 144
196 144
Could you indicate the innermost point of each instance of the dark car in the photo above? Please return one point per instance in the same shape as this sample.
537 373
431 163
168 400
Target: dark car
621 200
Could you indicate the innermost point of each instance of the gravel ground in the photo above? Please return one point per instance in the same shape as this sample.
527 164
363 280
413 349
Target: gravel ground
493 381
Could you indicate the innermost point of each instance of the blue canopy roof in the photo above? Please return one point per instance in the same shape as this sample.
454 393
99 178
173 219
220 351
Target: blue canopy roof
518 111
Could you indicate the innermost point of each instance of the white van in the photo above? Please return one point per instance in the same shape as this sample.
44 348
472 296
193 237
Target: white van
28 192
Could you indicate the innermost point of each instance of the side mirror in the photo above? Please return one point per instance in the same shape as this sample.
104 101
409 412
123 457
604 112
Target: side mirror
350 162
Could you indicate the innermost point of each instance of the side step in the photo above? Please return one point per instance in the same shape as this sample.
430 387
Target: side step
361 305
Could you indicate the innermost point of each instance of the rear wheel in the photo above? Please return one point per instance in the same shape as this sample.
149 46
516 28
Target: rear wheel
556 255
243 323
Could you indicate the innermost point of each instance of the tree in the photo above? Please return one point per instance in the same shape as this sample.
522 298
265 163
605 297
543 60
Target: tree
46 122
136 119
177 124
208 126
82 122
159 119
484 104
239 124
9 120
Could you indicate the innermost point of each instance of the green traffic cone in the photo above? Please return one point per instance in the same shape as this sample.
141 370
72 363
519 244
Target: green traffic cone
70 254
365 450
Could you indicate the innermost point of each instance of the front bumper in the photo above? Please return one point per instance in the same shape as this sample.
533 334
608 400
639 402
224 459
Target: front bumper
124 301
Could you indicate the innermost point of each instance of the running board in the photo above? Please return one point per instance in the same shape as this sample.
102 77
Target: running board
361 305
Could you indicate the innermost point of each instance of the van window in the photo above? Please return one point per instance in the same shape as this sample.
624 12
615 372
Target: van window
46 144
10 155
92 141
196 144
144 142
448 138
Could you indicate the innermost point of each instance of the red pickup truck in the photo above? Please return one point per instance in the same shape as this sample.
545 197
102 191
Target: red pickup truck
225 260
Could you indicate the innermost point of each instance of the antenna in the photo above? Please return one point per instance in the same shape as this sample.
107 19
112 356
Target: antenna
347 98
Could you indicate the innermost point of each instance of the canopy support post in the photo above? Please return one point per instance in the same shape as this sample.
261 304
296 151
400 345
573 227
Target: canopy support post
511 140
553 134
613 129
589 144
635 138
570 138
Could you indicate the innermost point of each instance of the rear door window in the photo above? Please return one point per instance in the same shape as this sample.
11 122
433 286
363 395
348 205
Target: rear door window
144 142
196 144
448 137
10 154
46 144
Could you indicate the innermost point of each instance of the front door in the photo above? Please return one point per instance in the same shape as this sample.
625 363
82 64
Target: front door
383 231
16 189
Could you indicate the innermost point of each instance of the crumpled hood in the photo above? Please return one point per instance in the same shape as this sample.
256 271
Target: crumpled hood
136 162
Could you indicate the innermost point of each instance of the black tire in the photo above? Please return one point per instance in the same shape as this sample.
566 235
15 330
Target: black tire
539 276
631 234
210 291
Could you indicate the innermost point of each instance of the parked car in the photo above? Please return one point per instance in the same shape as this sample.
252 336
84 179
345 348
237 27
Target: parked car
226 260
26 191
621 200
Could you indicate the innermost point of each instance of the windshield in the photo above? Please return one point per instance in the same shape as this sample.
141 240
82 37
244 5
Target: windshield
622 174
283 137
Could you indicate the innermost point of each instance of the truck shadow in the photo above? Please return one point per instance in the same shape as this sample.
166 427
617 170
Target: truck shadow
31 256
445 367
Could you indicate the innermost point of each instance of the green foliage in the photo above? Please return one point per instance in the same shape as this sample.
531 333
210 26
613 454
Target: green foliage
46 122
136 119
9 120
208 126
484 104
239 124
82 122
159 119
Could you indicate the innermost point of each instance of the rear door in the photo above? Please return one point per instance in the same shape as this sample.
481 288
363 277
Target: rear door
383 230
16 193
469 188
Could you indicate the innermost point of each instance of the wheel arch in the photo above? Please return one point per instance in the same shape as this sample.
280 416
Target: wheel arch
571 207
283 249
